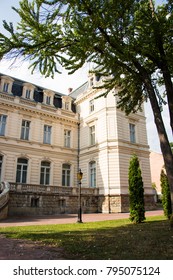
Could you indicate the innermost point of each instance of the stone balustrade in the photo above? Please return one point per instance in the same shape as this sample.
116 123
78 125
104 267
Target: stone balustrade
33 199
4 198
33 188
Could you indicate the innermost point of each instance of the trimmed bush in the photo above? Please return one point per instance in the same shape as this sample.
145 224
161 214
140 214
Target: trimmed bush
136 192
166 196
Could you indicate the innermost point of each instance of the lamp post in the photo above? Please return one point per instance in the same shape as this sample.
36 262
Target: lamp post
79 176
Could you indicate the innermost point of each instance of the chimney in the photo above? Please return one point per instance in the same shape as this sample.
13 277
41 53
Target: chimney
70 90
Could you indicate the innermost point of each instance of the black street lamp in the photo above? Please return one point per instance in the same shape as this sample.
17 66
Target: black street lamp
79 176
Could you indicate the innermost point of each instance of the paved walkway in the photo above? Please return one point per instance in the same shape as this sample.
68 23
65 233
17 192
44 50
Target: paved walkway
67 218
19 249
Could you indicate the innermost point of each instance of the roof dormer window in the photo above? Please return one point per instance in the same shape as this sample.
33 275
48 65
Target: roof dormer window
67 105
66 102
28 91
28 94
6 84
48 97
6 87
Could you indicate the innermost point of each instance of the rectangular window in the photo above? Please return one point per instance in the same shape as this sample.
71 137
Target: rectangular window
21 175
92 167
28 94
92 135
34 201
45 173
48 100
0 167
6 87
67 107
132 133
91 105
25 130
67 138
66 175
47 134
3 119
91 82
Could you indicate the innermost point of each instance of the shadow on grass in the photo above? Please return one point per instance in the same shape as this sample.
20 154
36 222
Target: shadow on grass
110 240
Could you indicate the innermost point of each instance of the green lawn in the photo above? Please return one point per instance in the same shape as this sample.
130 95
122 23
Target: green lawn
119 239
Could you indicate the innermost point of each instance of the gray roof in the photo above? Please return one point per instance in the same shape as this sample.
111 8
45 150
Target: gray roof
79 90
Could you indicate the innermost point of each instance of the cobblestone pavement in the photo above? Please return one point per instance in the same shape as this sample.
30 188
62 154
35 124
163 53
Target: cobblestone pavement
18 249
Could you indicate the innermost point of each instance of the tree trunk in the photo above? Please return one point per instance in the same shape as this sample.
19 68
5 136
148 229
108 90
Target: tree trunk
163 64
164 142
169 90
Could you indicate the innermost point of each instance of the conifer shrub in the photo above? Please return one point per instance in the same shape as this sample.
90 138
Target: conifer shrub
166 196
136 191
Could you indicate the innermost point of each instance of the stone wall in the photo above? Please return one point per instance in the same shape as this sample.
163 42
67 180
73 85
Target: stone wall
52 204
4 212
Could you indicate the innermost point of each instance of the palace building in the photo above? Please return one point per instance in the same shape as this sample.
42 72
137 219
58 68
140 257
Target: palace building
46 137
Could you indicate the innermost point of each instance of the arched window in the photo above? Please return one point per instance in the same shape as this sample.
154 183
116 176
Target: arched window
92 174
45 173
1 159
66 171
21 175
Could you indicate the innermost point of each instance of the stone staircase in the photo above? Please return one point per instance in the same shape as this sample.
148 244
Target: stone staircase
4 198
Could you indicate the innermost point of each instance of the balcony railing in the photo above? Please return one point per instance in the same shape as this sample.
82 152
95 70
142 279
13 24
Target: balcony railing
33 188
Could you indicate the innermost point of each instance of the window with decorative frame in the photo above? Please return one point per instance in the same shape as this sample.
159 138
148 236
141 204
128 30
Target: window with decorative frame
28 94
21 174
132 130
3 119
45 173
66 173
92 135
48 99
92 174
91 105
67 138
47 134
1 161
25 130
6 87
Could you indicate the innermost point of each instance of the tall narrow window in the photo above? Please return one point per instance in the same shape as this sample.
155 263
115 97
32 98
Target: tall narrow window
6 87
2 124
91 105
67 106
92 135
1 158
25 130
91 82
132 133
47 134
66 171
45 173
28 94
21 175
92 172
67 138
48 98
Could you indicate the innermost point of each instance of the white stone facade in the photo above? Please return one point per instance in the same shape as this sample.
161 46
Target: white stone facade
45 137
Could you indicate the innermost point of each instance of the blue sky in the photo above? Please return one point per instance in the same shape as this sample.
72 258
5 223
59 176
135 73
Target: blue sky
64 81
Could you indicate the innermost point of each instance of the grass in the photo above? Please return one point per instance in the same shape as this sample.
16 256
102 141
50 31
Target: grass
118 239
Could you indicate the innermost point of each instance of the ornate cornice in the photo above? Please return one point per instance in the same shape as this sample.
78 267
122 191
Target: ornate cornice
28 106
